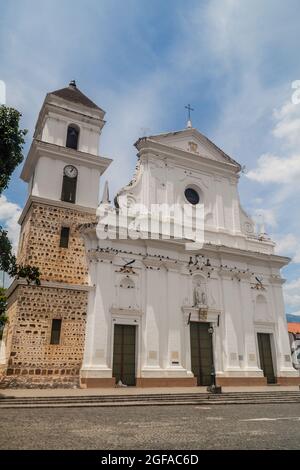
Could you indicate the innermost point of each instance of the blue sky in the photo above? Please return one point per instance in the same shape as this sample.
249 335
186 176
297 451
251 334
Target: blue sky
143 61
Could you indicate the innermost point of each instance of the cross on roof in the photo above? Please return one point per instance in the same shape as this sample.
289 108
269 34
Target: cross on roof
189 108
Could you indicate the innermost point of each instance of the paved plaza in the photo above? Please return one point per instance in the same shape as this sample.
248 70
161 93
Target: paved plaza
273 426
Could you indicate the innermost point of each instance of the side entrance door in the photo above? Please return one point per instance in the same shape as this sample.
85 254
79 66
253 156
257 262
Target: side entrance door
201 352
265 355
124 354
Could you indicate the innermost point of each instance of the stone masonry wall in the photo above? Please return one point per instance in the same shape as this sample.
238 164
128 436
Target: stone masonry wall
40 244
8 332
33 361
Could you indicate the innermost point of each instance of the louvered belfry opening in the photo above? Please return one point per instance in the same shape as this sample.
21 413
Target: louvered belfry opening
72 137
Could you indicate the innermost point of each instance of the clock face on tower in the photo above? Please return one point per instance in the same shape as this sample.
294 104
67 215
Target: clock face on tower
70 171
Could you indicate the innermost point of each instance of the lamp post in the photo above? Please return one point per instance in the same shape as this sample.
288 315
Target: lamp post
213 388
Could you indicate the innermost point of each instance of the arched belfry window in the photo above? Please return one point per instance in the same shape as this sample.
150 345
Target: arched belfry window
72 137
68 193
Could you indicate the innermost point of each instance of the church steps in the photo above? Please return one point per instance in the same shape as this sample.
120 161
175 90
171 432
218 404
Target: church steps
201 395
157 399
149 403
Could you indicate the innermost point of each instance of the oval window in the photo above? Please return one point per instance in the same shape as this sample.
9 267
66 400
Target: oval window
192 196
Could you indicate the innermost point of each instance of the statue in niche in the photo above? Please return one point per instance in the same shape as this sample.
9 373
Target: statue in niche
199 295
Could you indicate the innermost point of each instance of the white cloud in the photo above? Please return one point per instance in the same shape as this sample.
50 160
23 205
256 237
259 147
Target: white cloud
258 200
222 45
273 169
291 292
276 169
9 215
129 113
288 124
286 244
296 314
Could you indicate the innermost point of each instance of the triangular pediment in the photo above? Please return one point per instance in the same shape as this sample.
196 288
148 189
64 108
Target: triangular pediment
191 140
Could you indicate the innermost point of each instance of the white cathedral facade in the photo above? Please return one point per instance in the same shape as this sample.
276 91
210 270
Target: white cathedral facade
186 312
158 312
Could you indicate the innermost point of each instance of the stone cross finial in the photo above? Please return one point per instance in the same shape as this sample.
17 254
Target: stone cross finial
189 122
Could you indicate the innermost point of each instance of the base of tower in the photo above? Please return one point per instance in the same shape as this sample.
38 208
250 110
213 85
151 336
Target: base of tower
38 382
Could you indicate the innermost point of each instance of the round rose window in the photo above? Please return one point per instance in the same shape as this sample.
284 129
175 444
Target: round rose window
192 196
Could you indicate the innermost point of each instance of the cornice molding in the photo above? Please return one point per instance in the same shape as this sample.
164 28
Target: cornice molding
102 255
47 284
248 254
50 202
240 275
90 116
173 265
150 262
276 280
209 250
45 149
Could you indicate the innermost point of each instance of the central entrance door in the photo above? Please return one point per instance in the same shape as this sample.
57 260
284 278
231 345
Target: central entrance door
265 355
124 354
201 352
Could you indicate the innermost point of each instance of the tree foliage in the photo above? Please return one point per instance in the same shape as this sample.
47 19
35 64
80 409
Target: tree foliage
11 148
3 303
11 144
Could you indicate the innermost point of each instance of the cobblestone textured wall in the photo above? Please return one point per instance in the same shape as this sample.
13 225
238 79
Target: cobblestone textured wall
39 243
8 333
33 361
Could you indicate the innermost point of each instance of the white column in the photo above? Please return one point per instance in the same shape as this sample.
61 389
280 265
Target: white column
90 319
175 348
219 203
284 364
217 345
247 313
231 323
152 322
98 358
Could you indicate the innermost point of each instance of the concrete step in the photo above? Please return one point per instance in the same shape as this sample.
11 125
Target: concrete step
164 396
145 399
150 399
141 403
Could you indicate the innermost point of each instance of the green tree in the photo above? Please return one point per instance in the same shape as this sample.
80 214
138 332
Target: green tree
11 147
11 144
2 309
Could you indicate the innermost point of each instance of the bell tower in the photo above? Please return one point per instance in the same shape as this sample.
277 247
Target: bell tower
66 136
44 337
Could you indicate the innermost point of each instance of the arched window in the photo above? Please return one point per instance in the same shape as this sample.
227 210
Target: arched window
72 137
68 193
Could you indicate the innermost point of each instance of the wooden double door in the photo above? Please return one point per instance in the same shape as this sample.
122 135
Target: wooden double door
201 352
265 356
124 354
